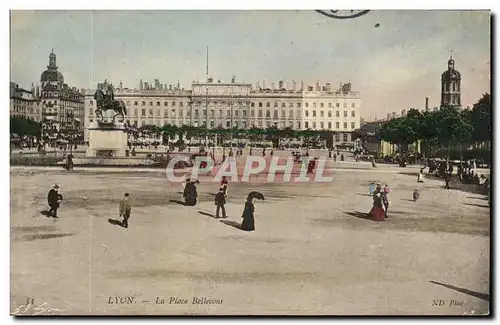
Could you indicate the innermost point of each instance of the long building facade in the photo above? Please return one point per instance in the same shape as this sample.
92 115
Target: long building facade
238 104
23 103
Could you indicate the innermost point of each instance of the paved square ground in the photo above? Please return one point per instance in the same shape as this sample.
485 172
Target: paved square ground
311 252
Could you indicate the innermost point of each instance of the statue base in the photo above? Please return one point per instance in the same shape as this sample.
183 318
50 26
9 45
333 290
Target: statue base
107 140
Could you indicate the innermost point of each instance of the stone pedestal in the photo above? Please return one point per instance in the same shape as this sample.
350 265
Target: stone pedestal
107 140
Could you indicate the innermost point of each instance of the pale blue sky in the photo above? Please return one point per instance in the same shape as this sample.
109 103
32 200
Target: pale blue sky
394 66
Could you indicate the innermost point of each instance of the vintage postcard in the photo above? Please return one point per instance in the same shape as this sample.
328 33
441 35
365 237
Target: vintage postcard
250 162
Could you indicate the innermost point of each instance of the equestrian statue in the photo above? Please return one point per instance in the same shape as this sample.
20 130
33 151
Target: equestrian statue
106 102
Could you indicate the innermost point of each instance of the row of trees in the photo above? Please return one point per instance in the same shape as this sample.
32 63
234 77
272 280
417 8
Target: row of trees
272 134
23 126
445 128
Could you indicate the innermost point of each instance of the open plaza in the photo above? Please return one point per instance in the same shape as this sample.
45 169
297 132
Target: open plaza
314 251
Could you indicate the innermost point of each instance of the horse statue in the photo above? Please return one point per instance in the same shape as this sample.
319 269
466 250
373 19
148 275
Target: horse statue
106 102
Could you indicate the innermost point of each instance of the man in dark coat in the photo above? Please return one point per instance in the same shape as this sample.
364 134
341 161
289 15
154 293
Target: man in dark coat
190 193
69 162
220 201
54 199
124 209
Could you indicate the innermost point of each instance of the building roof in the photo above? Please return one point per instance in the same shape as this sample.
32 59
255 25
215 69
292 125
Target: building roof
450 74
51 75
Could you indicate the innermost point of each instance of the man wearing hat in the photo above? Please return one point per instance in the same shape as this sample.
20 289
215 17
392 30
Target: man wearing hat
220 201
54 199
125 209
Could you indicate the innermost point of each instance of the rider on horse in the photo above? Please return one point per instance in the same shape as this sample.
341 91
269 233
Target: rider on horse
107 102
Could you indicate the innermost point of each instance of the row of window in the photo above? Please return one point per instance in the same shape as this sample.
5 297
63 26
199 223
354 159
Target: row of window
313 105
244 113
29 110
260 104
50 95
36 118
322 114
22 101
62 103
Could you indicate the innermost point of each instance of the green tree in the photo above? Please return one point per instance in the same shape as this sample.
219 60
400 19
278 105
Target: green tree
23 126
272 134
401 131
481 119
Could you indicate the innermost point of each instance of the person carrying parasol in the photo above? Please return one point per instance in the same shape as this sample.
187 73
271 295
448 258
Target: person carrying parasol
248 223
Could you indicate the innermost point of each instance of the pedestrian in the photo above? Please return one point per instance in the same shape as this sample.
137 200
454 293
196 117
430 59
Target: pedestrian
263 152
248 223
342 157
384 195
124 209
69 162
447 179
371 188
416 195
220 201
272 153
377 212
224 184
190 193
54 199
420 177
335 158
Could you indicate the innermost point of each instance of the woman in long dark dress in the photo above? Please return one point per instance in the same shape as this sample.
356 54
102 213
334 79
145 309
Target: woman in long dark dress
248 223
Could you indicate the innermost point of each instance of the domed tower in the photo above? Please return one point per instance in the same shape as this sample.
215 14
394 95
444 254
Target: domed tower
51 75
450 86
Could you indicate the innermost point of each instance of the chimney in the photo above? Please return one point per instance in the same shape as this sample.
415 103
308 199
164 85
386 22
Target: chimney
287 85
294 85
280 84
264 84
301 86
388 115
272 85
426 103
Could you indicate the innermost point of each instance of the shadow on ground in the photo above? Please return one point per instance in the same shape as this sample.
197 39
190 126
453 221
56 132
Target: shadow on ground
477 205
33 229
479 295
179 202
360 215
45 213
115 222
234 224
207 214
43 236
477 198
